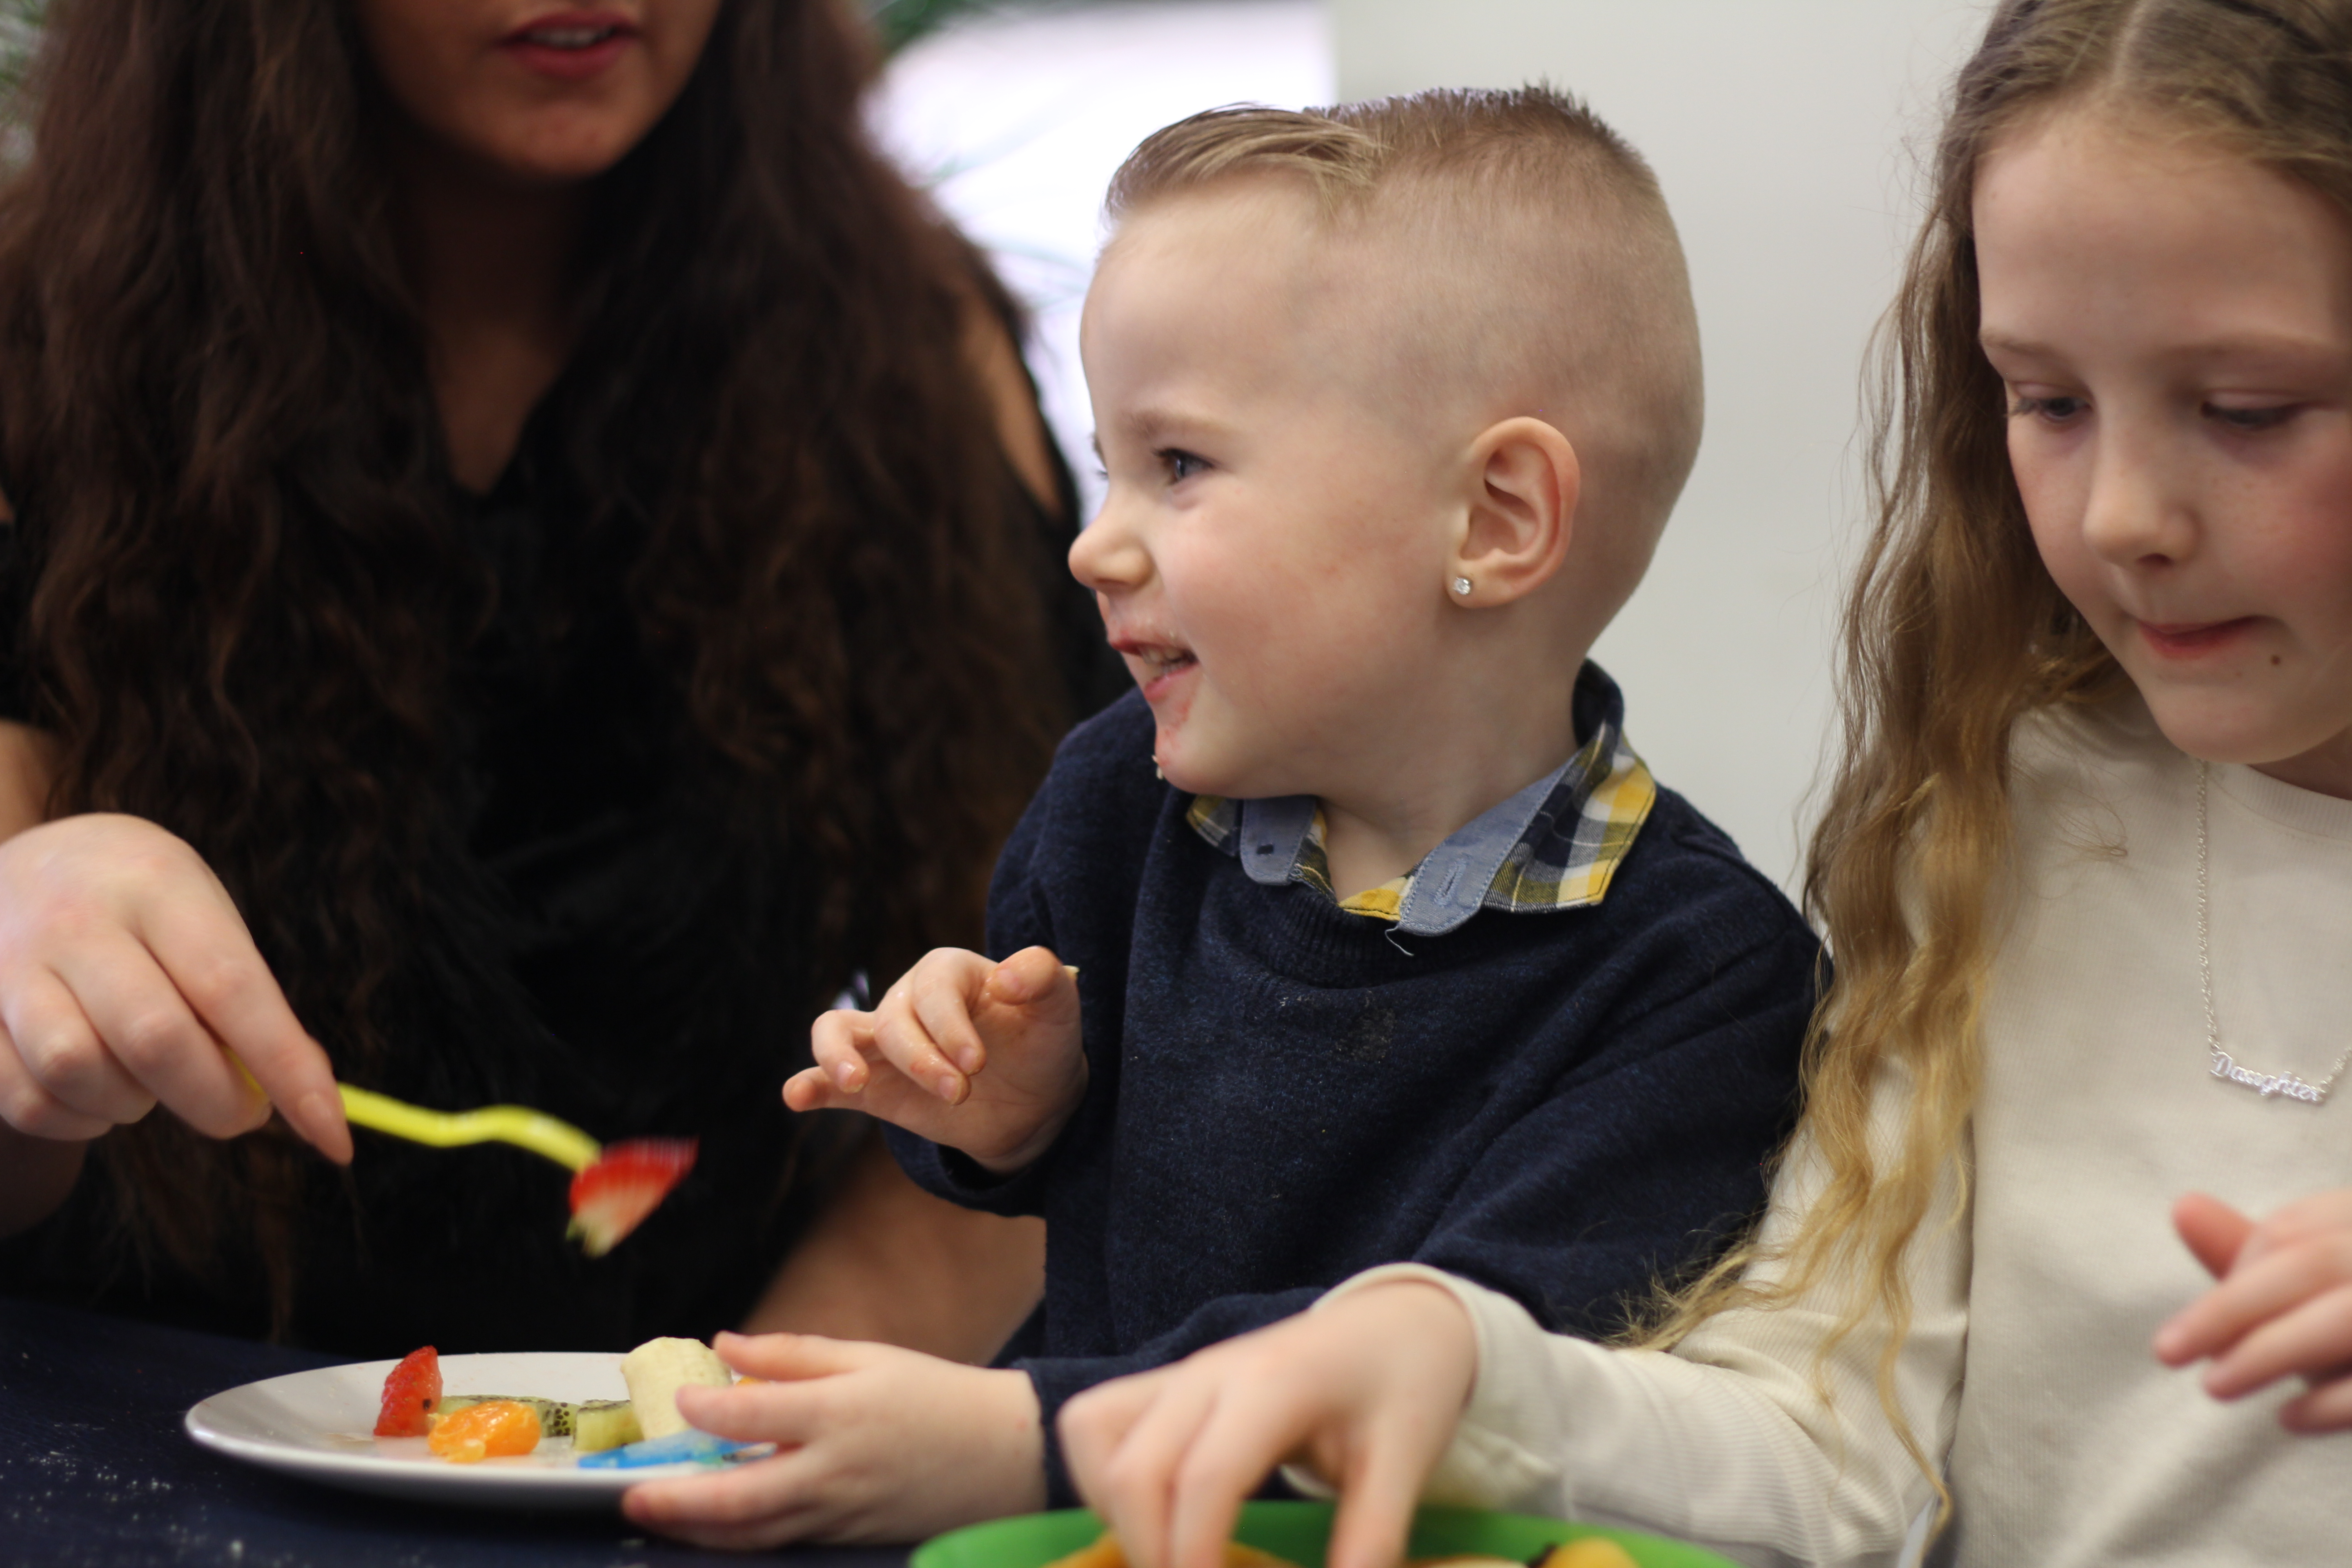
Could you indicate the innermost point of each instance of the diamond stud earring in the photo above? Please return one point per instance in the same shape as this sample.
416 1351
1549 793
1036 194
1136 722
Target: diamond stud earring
1462 584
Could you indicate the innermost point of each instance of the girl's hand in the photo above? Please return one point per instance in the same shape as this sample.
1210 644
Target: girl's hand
125 970
875 1445
2284 1306
1365 1391
981 1056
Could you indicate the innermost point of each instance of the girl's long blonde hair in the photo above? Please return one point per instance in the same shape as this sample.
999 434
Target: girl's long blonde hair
1955 630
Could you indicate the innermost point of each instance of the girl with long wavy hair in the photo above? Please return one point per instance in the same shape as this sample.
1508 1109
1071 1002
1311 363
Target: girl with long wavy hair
2085 870
533 567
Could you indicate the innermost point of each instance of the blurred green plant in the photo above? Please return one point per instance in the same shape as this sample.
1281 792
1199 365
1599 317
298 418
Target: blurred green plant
901 22
20 32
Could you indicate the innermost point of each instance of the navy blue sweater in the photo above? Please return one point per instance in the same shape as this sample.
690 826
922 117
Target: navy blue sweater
1564 1106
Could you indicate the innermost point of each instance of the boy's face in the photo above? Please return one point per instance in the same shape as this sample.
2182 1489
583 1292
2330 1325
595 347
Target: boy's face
1270 558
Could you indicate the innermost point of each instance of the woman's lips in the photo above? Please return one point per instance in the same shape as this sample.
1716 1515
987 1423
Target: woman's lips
2193 639
571 44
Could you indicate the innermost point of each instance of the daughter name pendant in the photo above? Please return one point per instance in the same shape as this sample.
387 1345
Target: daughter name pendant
2269 1084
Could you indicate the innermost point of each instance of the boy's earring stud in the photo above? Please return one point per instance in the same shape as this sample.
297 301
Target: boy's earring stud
1462 584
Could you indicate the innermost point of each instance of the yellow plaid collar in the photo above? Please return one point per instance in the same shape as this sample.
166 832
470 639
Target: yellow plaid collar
1553 846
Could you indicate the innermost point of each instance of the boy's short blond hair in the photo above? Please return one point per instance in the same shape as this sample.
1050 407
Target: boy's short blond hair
1537 266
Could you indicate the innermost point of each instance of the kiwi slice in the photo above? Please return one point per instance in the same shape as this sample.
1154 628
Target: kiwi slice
601 1424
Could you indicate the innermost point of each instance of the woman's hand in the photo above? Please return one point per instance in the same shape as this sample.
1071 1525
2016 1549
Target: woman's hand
875 1445
125 970
1365 1391
985 1058
2283 1307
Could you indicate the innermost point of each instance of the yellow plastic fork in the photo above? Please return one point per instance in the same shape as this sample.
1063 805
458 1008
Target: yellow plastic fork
517 1124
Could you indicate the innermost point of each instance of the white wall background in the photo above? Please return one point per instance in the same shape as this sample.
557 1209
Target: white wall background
1017 117
1788 136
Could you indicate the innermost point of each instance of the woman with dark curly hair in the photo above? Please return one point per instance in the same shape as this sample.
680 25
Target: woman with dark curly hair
534 566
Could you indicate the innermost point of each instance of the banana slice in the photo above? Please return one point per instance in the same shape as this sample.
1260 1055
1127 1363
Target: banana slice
658 1369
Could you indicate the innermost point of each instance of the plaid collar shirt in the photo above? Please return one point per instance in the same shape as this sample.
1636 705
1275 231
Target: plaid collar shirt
1553 846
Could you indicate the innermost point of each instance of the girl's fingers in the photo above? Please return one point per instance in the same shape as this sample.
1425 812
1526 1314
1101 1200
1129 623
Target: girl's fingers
2327 1407
1376 1506
1243 1436
2314 1338
148 1028
1137 1477
202 946
61 1052
2315 1215
2214 1231
28 1107
1093 1424
2255 1293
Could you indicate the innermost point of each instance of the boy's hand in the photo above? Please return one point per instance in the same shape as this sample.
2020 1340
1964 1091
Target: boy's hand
875 1444
1366 1391
981 1056
2284 1306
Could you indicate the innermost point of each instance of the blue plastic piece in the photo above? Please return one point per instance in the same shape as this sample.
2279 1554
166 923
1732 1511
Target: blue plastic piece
678 1447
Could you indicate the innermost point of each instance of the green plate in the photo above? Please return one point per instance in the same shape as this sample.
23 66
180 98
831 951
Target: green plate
1298 1531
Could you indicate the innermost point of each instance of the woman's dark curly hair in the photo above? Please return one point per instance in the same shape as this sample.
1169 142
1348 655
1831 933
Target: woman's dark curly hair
244 595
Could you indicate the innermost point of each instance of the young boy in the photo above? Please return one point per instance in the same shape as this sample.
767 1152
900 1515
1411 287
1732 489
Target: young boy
1361 934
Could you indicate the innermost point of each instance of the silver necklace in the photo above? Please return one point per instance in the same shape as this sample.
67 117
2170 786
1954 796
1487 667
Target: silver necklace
2224 1065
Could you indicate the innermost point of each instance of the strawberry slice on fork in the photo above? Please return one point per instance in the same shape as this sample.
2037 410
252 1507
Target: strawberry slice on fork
613 1188
612 1195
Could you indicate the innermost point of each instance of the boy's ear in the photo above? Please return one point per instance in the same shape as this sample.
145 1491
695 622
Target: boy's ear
1521 518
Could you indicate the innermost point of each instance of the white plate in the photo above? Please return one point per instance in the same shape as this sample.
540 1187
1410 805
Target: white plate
317 1424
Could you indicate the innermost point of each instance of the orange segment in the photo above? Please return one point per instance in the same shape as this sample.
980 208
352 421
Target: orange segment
496 1428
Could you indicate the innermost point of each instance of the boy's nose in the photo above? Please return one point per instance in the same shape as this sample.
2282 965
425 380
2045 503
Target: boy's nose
1108 557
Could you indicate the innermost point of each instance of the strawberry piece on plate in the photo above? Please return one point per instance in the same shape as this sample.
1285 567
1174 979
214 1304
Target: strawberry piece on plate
615 1193
410 1392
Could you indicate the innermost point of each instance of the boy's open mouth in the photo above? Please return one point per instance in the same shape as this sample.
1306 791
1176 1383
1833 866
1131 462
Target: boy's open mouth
1158 660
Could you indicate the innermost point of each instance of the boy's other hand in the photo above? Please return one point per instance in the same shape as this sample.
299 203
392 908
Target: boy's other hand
875 1444
1365 1391
2282 1306
981 1057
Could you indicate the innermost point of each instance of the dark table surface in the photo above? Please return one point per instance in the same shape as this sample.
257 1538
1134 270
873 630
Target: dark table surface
95 1471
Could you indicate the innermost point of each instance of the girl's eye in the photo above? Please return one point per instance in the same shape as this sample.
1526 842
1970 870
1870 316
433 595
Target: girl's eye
1180 465
2055 410
2250 418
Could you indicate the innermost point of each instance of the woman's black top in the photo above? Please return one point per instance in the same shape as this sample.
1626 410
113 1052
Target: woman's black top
630 955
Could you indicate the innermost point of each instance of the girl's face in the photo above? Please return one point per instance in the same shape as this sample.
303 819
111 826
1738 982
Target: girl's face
541 91
2173 327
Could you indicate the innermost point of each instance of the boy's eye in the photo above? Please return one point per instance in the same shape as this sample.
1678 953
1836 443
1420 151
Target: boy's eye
2250 418
1180 465
2056 410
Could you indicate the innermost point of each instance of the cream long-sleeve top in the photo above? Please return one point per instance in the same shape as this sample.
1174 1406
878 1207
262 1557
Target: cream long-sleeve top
2027 1368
